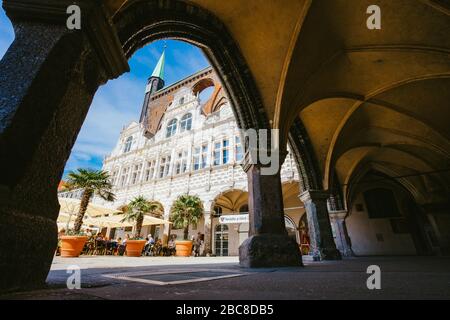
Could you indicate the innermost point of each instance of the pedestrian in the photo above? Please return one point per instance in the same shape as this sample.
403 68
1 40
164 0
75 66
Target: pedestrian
197 244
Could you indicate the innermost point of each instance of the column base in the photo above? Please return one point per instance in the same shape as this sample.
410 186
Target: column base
326 254
26 250
269 250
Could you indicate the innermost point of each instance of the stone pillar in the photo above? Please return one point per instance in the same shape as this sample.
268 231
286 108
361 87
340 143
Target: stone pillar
48 78
165 232
268 244
208 233
322 245
342 240
439 235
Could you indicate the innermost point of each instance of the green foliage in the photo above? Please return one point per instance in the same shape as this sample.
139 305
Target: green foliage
137 209
75 233
92 182
186 210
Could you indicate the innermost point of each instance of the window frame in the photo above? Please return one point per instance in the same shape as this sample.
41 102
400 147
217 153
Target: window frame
172 125
186 122
238 155
128 144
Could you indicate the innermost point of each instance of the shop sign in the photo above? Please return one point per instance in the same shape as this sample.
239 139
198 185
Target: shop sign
240 218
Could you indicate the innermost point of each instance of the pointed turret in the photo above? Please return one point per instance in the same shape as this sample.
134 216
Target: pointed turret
159 69
154 83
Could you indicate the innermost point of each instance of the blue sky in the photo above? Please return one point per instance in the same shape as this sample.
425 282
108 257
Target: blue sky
119 101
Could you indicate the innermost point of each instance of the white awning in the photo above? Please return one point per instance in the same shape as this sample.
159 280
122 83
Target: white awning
71 206
99 216
115 221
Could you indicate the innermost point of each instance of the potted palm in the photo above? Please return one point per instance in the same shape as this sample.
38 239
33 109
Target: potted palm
185 211
135 212
92 182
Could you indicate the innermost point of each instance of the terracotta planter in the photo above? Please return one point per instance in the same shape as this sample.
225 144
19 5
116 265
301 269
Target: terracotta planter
135 247
184 248
71 246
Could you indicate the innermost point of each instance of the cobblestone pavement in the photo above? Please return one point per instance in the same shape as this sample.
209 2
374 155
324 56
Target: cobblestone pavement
222 278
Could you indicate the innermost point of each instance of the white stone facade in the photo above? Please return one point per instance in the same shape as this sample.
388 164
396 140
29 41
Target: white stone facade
203 160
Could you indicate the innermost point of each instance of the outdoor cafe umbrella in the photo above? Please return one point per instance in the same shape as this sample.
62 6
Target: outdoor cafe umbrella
115 221
69 208
97 215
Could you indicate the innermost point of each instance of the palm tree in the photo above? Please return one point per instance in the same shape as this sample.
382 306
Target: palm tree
185 211
136 210
92 182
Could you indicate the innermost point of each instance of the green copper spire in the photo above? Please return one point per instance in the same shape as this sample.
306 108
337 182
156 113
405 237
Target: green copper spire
159 69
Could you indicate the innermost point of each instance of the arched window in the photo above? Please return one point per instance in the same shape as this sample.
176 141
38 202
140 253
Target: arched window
128 143
181 100
171 128
186 122
221 240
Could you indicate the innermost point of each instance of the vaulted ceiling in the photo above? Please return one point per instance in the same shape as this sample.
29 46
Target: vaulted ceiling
366 97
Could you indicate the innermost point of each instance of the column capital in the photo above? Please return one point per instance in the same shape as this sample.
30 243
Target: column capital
96 24
338 215
311 195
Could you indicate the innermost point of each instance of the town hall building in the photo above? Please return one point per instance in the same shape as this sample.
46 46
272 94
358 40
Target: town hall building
197 150
184 145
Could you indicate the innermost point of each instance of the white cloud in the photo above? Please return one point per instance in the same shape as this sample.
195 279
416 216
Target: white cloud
193 60
115 105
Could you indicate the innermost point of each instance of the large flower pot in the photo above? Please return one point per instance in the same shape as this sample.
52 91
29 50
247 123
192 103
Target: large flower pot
184 248
71 246
135 247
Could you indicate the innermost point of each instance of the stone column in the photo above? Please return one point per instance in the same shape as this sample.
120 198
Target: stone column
322 245
342 240
165 232
48 78
268 244
208 222
439 236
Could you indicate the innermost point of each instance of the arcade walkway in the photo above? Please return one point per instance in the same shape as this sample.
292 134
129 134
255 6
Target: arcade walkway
222 278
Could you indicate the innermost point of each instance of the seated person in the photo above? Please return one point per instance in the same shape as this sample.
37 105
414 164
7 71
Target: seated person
121 245
171 246
157 248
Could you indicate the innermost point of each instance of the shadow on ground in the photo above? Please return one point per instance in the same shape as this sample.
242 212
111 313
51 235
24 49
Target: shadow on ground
401 278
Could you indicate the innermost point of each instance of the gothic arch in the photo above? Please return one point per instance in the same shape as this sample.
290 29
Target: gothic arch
71 66
231 199
141 22
304 157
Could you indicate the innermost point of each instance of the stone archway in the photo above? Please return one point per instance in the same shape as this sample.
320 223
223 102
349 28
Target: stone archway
182 21
228 202
49 76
